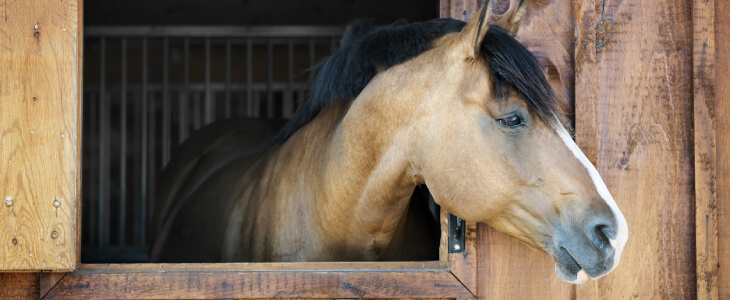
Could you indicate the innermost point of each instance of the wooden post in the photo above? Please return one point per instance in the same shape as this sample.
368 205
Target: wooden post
711 88
40 134
634 120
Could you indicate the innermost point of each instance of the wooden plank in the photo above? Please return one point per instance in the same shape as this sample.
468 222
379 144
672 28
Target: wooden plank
464 265
509 269
706 129
19 286
48 280
39 157
88 284
79 123
634 120
722 142
261 267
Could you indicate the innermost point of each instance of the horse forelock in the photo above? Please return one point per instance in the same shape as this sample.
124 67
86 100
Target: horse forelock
364 50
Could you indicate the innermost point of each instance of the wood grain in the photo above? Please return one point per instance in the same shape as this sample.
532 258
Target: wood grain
509 269
88 283
633 62
707 119
18 286
722 142
39 157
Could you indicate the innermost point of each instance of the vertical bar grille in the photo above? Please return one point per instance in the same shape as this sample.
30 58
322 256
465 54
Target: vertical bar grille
151 92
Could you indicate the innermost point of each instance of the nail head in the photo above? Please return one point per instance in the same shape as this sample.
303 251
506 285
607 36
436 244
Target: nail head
457 247
9 202
32 132
15 241
56 203
54 234
64 29
35 27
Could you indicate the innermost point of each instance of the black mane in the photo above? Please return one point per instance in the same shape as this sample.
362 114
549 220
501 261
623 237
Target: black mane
363 49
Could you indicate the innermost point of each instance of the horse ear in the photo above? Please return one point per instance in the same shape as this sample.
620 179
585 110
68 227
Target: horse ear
512 21
470 38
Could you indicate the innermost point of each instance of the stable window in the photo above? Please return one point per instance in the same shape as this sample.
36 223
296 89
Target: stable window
145 89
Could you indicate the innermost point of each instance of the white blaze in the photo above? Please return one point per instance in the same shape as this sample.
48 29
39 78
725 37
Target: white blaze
622 234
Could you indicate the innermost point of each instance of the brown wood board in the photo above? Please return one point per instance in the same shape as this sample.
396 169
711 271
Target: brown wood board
39 156
634 116
18 286
125 281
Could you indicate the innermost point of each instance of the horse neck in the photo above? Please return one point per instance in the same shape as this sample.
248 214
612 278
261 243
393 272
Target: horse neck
368 175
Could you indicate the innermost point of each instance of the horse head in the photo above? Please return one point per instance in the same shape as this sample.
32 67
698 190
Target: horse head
492 148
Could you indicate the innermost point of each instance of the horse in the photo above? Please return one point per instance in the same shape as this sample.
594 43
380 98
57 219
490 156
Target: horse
461 107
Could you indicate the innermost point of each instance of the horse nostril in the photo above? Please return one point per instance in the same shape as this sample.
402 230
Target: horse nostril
599 234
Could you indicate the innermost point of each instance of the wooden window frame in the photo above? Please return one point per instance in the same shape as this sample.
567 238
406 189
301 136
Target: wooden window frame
452 276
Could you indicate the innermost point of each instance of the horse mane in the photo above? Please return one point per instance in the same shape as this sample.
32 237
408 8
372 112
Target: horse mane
365 49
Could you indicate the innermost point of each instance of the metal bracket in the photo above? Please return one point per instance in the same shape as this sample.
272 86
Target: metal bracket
457 234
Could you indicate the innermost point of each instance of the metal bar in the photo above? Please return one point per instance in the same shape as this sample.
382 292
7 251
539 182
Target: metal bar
138 184
95 161
165 100
228 77
311 59
249 78
183 123
153 166
288 107
270 79
196 111
123 149
209 109
102 145
143 178
214 31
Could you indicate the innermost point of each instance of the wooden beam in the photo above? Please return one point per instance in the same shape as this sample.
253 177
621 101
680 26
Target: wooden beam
192 281
39 134
711 88
19 286
633 61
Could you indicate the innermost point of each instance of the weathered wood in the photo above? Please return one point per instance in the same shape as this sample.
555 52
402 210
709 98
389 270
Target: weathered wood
79 123
48 280
121 282
633 104
509 269
706 131
464 265
713 269
19 286
39 132
261 267
721 125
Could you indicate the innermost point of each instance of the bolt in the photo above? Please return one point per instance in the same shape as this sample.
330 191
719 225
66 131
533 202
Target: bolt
15 241
35 27
54 234
56 203
457 247
8 201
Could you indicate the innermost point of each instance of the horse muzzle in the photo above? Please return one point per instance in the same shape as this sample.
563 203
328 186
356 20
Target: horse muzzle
591 251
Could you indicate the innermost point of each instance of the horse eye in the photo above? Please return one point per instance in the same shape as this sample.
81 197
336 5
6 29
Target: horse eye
511 121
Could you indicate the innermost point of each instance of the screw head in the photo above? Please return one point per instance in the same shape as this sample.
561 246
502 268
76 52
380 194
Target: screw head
54 234
457 247
56 203
64 29
35 27
8 202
